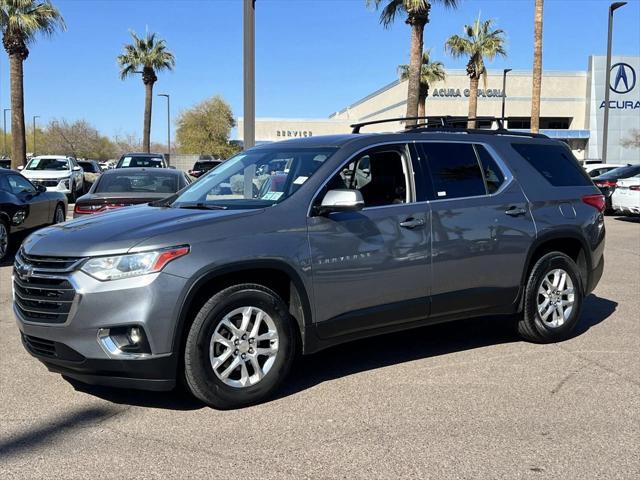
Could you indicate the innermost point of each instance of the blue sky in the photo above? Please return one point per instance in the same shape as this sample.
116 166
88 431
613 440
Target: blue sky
313 56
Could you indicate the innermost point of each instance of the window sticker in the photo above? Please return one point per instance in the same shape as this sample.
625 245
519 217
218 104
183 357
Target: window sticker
272 195
34 163
442 194
126 161
300 180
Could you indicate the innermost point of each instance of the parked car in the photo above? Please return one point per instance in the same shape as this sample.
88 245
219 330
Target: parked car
25 206
139 160
91 171
122 188
5 163
222 283
597 169
608 182
203 166
626 197
57 173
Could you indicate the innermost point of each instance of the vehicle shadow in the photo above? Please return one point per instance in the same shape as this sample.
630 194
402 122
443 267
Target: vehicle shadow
369 354
629 219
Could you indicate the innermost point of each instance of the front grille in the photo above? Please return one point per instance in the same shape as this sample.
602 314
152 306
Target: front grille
47 182
40 346
43 294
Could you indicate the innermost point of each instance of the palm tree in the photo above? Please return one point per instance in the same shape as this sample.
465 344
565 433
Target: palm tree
480 41
537 67
149 53
430 72
417 13
21 21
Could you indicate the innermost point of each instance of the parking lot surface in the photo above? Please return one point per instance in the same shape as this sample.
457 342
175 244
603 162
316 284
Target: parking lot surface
463 400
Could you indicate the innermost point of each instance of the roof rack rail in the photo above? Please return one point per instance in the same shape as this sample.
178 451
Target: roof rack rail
450 124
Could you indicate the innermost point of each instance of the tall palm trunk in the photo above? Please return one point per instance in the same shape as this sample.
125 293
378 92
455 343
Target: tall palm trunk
537 67
148 78
415 64
18 134
473 102
422 100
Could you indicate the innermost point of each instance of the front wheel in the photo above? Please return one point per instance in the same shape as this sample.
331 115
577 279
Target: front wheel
59 214
74 194
4 239
240 347
553 299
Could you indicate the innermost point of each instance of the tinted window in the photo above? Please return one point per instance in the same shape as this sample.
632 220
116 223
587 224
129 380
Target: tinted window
138 182
88 167
621 172
48 164
454 168
493 176
152 162
556 163
19 184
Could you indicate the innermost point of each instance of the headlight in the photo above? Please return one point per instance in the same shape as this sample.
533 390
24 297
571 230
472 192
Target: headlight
132 265
64 183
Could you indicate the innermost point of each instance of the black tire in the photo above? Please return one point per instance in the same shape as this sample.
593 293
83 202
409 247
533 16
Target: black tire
200 377
59 206
7 229
531 326
73 195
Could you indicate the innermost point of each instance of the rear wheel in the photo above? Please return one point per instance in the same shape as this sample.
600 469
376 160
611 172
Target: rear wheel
4 239
59 215
553 299
240 347
74 194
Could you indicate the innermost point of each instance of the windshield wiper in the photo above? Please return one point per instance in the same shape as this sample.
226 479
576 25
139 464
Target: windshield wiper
202 206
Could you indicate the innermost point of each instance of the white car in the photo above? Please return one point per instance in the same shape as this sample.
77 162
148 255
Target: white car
597 169
58 173
626 196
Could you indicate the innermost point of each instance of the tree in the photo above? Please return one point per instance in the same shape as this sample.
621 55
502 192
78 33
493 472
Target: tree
21 21
430 72
205 128
537 67
78 139
417 16
149 53
480 41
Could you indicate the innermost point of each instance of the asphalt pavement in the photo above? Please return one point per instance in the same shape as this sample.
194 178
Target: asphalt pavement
466 400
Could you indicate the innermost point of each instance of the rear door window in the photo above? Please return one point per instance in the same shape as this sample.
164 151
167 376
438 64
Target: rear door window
555 163
493 176
454 169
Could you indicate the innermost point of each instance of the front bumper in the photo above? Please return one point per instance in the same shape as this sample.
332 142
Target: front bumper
73 348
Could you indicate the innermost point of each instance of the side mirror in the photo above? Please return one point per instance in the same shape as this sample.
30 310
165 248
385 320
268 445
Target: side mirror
20 167
341 200
76 169
40 188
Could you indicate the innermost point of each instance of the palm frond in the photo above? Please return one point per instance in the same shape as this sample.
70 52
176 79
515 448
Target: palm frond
149 51
27 18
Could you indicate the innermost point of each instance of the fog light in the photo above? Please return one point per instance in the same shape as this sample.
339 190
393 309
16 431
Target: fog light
124 341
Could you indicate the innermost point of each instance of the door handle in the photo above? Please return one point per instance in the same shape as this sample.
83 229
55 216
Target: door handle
515 211
412 223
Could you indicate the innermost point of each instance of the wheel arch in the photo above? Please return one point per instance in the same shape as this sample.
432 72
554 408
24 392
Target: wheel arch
567 241
274 274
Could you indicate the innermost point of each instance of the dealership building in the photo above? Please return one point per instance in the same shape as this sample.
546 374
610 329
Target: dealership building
572 107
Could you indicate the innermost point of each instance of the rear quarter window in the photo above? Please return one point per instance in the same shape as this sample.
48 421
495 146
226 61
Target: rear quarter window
555 163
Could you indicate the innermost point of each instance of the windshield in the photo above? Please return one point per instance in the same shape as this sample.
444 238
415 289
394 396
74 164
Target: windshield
48 164
146 182
254 179
87 167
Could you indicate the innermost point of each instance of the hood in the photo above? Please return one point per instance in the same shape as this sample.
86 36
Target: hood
46 173
120 230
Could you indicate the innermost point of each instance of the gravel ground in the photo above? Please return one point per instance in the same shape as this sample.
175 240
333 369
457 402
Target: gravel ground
463 400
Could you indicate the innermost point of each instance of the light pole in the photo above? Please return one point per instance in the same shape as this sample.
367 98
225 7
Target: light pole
4 129
34 134
249 54
168 123
607 87
504 91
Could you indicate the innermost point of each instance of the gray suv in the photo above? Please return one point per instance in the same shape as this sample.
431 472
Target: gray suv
299 245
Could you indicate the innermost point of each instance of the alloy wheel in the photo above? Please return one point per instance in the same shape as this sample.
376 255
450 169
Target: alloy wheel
4 240
556 298
60 215
243 347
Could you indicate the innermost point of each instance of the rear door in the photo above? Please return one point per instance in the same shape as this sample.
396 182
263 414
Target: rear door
481 228
370 268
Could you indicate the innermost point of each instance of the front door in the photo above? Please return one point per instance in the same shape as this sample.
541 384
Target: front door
35 204
370 268
481 228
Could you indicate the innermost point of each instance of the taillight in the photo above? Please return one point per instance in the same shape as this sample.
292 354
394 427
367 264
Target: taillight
606 183
635 188
88 209
596 201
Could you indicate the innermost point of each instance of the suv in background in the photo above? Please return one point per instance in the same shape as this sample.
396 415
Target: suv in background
360 235
56 172
91 170
140 160
203 166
